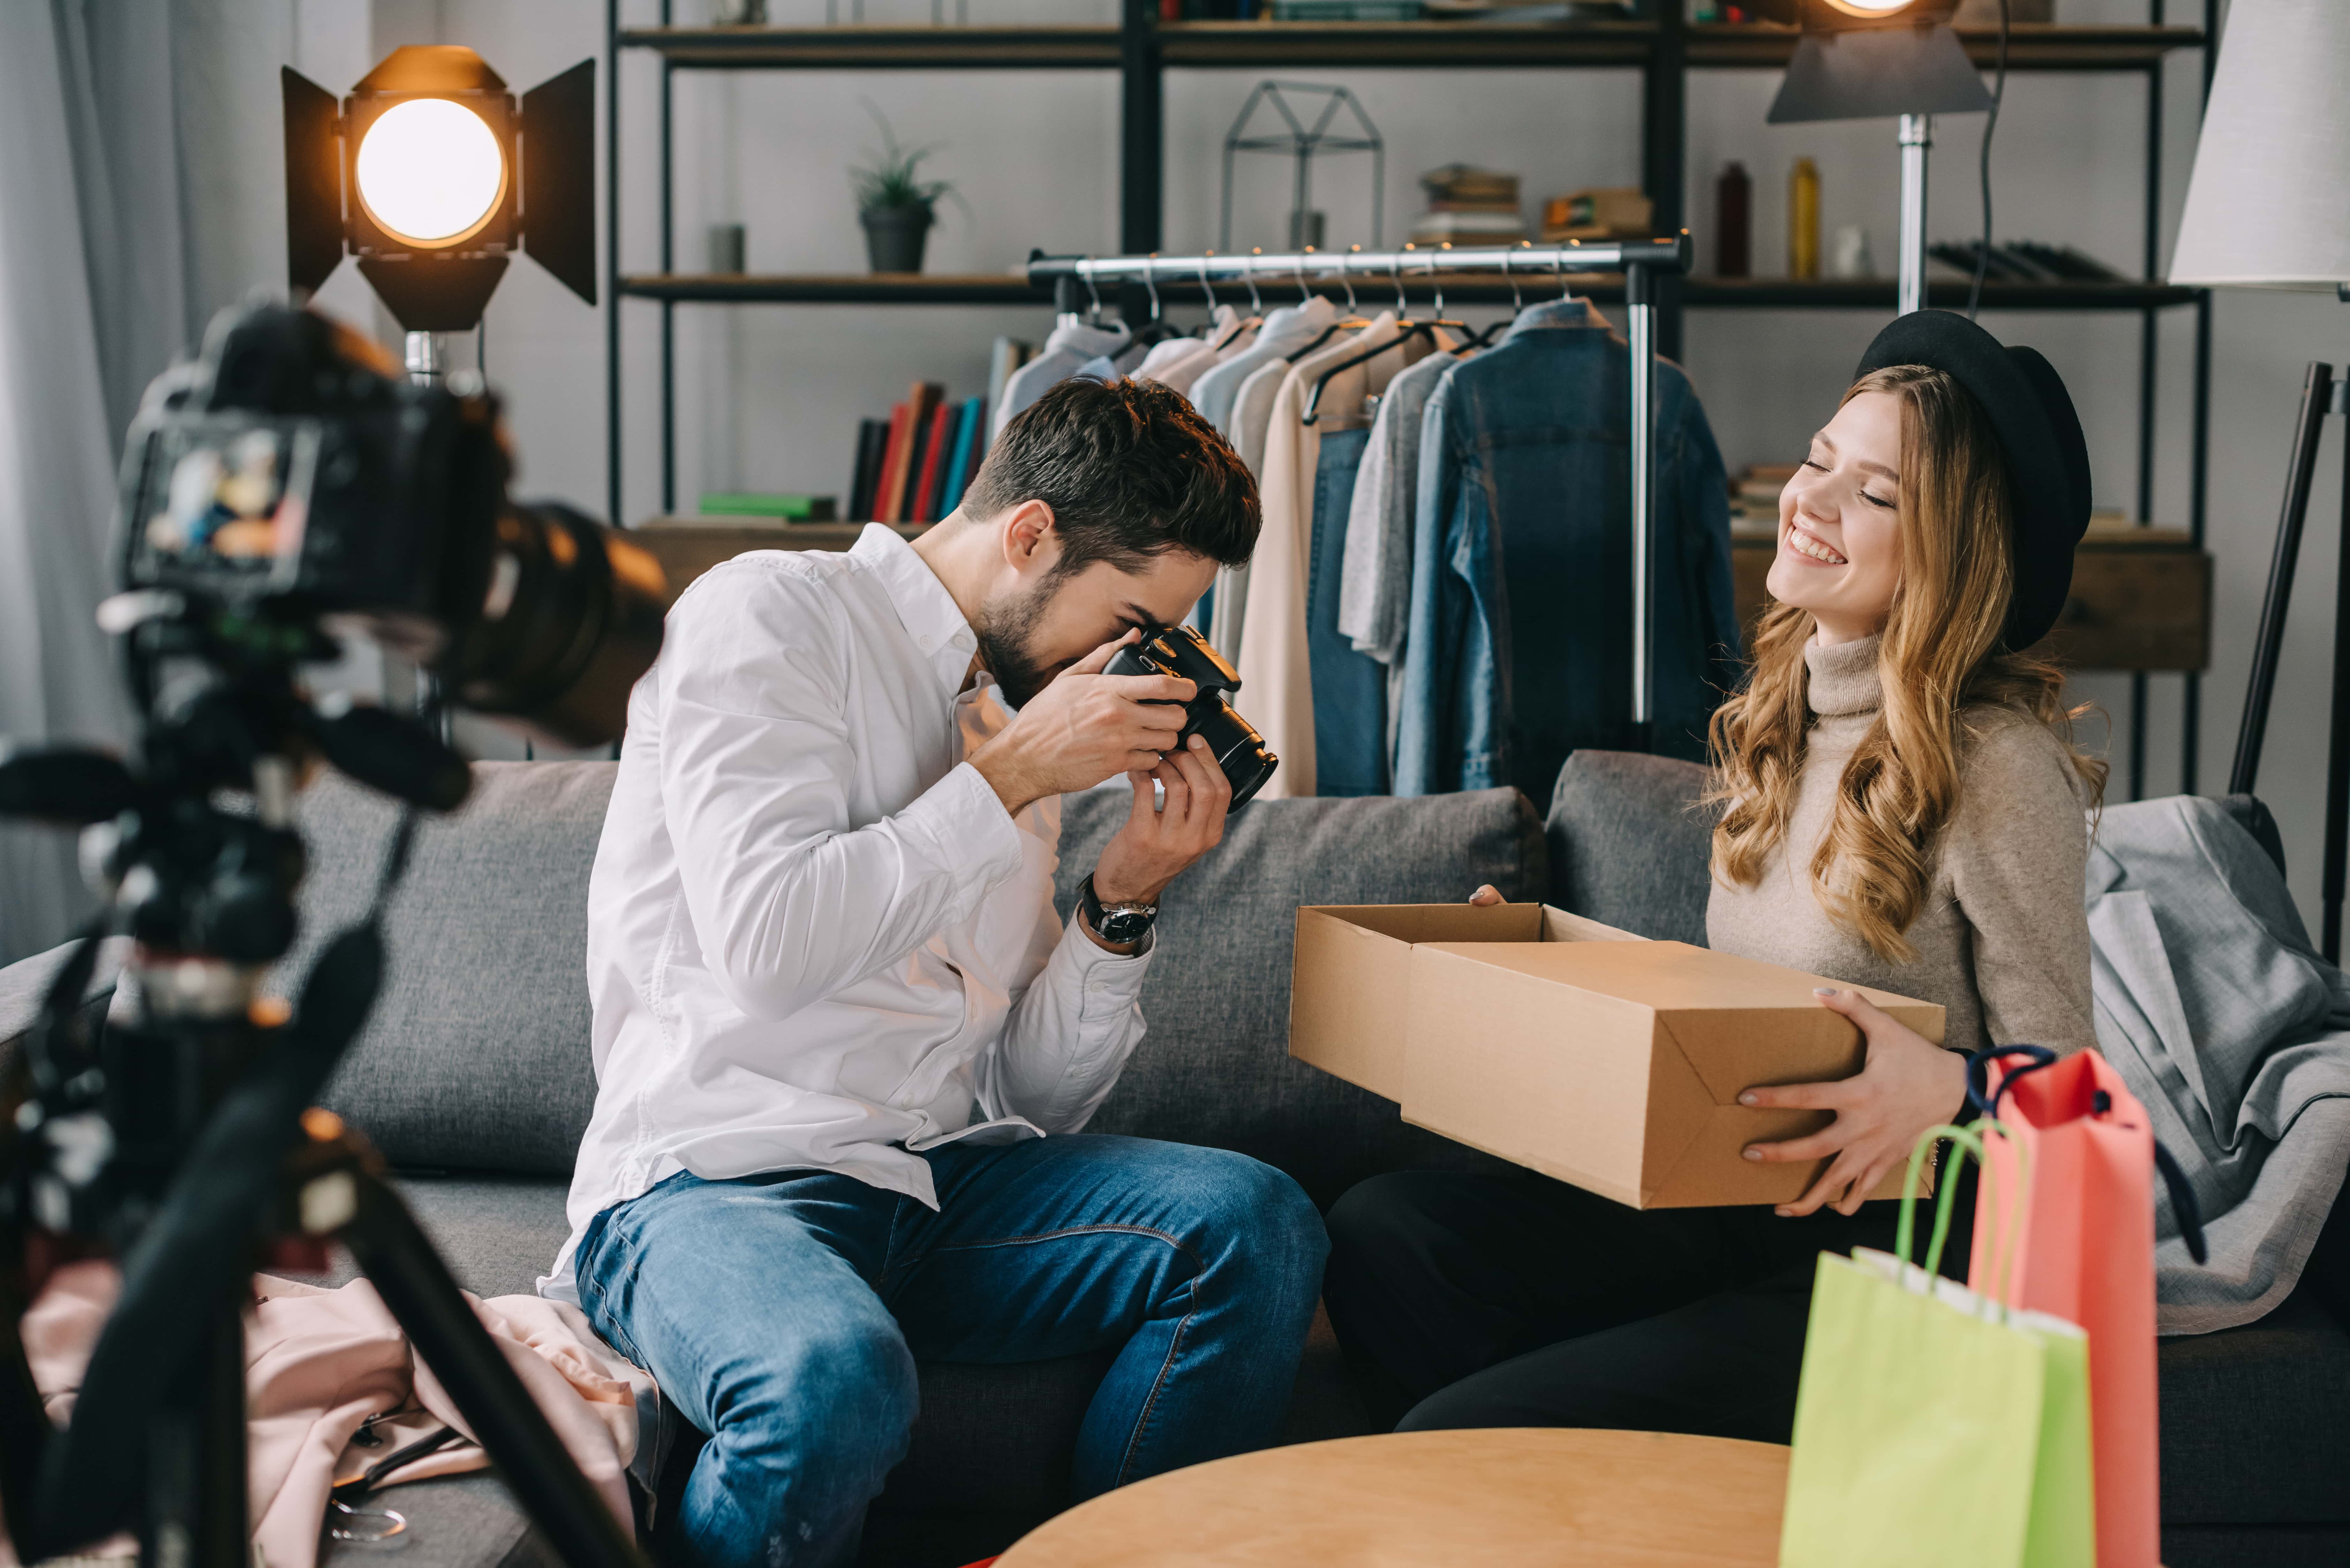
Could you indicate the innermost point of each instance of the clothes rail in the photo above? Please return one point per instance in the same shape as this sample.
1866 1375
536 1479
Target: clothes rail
1642 263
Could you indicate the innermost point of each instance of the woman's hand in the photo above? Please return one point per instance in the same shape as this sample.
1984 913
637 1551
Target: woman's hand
1909 1084
1487 896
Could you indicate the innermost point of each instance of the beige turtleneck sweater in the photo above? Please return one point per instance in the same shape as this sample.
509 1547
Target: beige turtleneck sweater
2002 943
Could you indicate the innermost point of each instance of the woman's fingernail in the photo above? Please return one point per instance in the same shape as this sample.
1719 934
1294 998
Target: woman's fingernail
1823 990
1752 1153
1783 1212
1747 1098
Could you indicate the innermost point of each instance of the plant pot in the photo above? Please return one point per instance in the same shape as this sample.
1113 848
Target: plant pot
894 236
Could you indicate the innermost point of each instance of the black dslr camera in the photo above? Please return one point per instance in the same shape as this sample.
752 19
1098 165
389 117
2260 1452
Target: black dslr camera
1179 650
283 479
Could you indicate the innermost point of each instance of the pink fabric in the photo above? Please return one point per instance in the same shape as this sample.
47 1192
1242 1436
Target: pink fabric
318 1363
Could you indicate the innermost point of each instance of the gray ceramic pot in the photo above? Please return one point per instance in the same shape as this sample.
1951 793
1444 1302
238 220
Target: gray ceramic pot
894 236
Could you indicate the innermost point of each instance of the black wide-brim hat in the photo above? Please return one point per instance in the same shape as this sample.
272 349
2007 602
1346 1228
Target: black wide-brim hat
2047 460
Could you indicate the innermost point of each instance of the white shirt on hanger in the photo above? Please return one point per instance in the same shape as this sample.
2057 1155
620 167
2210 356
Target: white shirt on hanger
1069 346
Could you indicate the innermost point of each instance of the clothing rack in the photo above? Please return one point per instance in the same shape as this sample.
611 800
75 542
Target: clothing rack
1642 263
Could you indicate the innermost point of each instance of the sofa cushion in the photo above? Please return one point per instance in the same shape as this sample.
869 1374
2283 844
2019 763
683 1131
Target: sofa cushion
2256 1421
1214 1068
475 1057
1629 843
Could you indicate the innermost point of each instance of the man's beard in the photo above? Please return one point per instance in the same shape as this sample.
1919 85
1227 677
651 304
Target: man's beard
1006 626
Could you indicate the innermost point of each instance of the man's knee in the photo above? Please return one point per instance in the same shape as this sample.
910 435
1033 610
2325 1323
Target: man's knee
1257 1215
827 1411
1382 1224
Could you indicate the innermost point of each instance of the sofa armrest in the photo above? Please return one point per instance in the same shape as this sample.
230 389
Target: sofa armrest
25 982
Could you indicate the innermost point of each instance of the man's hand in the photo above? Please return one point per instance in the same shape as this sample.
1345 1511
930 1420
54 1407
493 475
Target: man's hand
1908 1084
1156 845
1082 728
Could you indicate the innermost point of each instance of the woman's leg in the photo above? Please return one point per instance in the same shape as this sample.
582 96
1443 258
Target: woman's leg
1435 1275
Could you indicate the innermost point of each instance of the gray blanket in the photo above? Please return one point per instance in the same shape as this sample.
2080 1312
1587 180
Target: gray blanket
2216 1009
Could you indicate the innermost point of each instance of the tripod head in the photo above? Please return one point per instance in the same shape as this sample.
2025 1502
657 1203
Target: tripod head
281 493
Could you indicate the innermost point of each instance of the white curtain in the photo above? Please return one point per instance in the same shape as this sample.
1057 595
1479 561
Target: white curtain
57 466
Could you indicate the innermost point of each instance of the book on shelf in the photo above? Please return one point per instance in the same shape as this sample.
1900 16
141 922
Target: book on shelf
924 400
749 503
1472 228
872 443
893 460
970 426
934 456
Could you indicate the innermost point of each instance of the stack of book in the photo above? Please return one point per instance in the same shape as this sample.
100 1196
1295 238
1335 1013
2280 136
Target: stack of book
1618 213
914 466
1470 207
1754 498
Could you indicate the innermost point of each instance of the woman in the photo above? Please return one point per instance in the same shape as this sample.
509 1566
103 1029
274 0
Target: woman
1903 809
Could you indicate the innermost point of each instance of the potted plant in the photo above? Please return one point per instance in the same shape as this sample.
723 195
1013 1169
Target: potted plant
895 205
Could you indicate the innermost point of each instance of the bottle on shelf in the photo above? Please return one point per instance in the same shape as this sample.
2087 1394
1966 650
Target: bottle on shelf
1733 222
1803 220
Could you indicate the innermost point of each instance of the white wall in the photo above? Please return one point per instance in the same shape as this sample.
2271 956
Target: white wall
769 397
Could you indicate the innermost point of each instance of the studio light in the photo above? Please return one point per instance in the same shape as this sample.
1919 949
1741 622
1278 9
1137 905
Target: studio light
1874 59
432 175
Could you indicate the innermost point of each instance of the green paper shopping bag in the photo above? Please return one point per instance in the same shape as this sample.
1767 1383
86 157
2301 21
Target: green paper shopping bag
1937 1427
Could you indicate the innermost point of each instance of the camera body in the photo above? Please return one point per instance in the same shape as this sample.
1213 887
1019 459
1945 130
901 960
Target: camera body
1181 651
282 478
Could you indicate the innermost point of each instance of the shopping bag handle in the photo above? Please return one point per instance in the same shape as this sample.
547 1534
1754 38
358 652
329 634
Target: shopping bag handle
1967 1139
2184 1207
1980 1094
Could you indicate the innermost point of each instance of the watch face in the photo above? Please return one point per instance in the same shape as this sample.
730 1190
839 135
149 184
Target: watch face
1123 926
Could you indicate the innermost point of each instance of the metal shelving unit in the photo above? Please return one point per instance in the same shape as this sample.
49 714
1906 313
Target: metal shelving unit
1141 49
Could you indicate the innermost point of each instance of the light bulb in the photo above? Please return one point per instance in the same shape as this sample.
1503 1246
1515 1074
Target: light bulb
431 171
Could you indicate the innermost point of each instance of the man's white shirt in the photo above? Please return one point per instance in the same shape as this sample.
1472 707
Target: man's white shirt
815 936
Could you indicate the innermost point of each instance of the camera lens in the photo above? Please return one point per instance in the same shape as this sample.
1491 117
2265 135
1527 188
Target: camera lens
572 616
1239 749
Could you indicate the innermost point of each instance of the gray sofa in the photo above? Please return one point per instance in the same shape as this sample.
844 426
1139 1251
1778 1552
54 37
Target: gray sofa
473 1078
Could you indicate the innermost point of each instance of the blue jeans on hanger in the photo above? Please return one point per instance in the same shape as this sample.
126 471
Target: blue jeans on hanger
1350 687
782 1314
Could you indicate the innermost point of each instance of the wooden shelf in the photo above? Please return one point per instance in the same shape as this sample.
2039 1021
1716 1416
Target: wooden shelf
880 48
1943 293
2030 46
1404 44
837 288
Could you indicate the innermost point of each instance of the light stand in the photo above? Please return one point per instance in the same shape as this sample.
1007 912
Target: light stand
2265 211
1872 61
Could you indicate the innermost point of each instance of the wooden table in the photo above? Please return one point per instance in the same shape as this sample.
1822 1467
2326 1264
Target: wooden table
1595 1499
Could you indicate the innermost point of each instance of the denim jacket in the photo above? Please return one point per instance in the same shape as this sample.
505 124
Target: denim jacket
1519 647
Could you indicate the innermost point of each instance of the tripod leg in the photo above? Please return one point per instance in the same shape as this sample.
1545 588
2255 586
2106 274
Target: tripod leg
416 1286
196 1458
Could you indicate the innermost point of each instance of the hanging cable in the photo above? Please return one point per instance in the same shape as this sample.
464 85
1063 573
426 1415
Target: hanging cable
1998 92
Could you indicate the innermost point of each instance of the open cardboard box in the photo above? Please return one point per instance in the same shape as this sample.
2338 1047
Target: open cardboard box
1572 1048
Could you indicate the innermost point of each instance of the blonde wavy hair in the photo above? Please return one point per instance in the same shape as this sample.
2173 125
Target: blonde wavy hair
1940 655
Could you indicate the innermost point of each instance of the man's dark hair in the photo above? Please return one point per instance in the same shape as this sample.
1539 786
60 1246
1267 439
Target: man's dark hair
1130 471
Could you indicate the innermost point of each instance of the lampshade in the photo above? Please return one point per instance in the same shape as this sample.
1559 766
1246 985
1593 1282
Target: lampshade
2269 203
1877 73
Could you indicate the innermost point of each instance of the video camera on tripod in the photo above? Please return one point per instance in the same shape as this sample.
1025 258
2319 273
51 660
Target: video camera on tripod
283 490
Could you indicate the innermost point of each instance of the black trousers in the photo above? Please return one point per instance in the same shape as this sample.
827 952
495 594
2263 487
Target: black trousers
1516 1301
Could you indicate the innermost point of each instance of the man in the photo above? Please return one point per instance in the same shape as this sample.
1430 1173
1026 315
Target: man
835 1018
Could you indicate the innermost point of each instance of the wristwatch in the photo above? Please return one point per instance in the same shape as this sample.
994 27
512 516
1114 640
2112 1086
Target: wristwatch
1119 925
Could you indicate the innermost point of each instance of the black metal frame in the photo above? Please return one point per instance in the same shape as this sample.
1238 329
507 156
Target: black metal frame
1664 49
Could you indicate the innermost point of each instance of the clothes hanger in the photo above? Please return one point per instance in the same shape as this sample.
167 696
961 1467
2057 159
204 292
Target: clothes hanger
1485 338
1349 323
1240 325
1155 331
1410 329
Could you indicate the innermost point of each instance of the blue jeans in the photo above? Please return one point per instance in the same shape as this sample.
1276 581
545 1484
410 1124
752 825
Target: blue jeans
1350 687
782 1313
